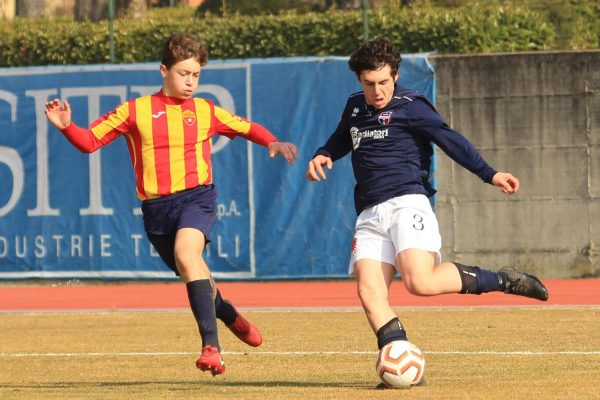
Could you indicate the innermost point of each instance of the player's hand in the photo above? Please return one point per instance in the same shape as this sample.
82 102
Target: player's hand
58 113
315 170
287 150
506 181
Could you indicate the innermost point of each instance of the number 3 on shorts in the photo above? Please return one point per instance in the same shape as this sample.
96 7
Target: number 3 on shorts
418 222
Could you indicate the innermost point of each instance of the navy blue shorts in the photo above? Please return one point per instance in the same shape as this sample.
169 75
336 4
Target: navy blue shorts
164 216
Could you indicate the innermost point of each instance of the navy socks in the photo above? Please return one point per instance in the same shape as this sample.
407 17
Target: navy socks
200 294
224 309
476 280
392 330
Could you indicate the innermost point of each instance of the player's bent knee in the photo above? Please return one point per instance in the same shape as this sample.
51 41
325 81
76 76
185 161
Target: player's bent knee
370 295
186 259
419 286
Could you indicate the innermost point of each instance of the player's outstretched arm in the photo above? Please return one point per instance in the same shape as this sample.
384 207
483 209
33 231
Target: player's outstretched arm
59 114
315 171
506 181
287 150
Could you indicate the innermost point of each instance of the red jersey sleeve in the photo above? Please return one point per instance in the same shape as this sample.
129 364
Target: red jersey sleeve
232 125
81 138
102 131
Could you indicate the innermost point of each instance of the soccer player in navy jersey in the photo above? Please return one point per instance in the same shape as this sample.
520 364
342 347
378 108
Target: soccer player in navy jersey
169 135
389 130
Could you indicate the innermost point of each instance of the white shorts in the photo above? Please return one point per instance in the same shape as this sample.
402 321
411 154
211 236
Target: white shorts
400 223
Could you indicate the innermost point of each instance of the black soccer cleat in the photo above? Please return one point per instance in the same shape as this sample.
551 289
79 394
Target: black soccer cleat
522 284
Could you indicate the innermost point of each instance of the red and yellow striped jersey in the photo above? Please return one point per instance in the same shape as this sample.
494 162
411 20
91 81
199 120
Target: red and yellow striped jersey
169 139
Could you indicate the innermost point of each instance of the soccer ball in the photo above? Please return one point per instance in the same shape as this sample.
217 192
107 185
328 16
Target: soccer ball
400 364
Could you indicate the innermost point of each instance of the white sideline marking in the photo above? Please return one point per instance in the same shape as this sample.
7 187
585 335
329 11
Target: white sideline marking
306 353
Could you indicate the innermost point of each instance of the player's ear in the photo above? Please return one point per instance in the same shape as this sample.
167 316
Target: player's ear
163 70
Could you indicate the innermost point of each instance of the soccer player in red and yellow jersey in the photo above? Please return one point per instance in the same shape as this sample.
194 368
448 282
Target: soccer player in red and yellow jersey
169 139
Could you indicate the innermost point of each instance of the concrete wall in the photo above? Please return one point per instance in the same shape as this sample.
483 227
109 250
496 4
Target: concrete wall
536 115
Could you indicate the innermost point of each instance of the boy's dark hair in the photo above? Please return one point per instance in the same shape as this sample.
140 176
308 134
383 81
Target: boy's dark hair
373 55
181 47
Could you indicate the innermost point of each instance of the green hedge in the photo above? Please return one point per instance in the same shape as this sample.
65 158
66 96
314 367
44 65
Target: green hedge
585 27
466 30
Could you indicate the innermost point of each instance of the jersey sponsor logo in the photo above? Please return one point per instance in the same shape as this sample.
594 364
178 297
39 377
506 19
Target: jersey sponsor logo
385 117
372 133
189 117
355 137
158 114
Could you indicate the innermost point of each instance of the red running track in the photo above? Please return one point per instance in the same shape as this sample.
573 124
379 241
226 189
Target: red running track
269 294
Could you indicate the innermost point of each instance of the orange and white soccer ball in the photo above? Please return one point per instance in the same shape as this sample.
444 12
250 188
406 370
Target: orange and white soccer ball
400 364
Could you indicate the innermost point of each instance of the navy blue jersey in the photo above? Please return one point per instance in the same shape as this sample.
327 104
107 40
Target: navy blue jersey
392 147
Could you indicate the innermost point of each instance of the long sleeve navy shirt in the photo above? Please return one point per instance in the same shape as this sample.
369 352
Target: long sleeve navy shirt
391 147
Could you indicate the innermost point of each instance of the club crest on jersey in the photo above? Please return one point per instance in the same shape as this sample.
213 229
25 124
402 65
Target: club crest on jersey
385 117
189 117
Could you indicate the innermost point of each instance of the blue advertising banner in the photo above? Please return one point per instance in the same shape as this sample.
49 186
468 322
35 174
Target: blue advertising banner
64 214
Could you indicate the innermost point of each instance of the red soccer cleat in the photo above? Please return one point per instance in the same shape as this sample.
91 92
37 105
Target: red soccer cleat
246 331
211 360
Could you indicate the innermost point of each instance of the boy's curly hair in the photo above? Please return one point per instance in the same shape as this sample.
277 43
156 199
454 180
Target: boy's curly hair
373 55
182 46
